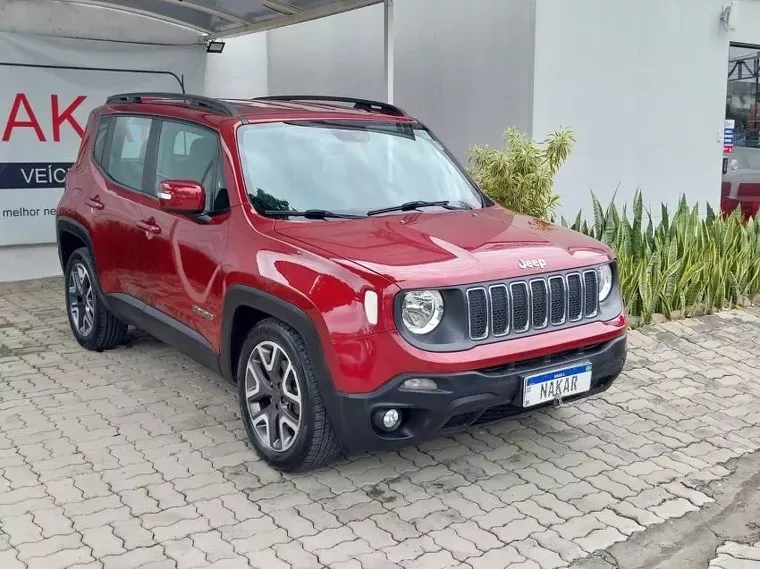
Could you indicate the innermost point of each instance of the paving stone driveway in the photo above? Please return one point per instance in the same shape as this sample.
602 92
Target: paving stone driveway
137 458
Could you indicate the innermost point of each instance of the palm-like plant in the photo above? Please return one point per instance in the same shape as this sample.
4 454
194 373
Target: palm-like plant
520 175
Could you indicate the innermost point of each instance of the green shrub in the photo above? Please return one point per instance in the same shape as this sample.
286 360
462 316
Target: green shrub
520 175
685 263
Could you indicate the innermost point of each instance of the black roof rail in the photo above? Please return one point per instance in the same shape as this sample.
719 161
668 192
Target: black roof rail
359 104
216 105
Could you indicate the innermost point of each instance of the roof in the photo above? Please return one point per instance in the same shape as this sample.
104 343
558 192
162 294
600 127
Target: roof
227 18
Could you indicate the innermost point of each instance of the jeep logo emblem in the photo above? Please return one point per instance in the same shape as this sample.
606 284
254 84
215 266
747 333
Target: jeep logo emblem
531 263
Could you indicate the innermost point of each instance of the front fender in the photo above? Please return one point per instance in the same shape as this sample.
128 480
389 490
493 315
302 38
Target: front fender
243 295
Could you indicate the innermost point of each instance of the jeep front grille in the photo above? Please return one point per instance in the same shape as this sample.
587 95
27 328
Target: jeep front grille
478 307
523 306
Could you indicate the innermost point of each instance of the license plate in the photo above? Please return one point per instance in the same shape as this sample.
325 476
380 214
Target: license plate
564 382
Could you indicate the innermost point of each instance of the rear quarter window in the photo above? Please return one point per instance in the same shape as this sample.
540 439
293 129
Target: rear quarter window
127 151
100 139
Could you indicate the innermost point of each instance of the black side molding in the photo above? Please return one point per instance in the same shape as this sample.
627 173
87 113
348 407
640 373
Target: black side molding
241 295
163 327
68 225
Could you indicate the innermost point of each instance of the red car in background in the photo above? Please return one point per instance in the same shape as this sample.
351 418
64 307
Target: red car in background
741 181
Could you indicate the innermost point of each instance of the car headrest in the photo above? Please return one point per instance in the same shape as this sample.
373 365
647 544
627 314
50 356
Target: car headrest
203 149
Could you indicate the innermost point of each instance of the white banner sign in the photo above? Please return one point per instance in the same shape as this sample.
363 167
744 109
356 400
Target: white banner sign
43 114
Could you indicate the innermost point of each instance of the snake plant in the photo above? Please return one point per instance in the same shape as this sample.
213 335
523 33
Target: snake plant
683 262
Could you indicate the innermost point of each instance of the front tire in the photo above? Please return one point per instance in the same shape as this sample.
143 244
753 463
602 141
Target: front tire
93 325
280 400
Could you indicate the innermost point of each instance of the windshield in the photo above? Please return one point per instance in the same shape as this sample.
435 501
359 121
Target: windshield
348 167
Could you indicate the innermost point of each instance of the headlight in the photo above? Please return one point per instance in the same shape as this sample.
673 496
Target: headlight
422 310
604 276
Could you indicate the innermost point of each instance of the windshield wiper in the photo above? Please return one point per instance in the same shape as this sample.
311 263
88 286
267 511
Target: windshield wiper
312 214
409 206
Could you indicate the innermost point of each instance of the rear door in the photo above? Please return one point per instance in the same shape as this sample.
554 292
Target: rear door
116 199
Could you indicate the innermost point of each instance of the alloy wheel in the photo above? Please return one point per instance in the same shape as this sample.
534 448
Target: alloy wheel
273 396
81 299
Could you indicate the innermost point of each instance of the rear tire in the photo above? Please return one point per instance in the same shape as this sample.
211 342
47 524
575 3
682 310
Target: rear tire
280 401
93 325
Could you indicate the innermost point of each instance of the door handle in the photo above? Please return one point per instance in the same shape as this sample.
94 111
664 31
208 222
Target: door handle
149 226
95 202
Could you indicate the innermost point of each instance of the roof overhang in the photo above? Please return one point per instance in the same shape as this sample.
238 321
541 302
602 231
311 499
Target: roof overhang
219 19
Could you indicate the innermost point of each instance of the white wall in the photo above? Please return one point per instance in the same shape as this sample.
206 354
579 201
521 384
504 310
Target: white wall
643 84
340 55
464 68
240 71
25 262
747 23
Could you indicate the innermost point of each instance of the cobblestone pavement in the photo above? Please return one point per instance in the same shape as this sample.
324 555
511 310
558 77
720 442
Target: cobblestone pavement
136 457
732 555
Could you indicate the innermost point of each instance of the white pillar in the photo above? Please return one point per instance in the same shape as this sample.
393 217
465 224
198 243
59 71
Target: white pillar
388 44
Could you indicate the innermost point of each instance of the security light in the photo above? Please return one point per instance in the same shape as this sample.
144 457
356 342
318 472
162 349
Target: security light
214 46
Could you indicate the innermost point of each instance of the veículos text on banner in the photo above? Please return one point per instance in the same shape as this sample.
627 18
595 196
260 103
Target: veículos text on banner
43 115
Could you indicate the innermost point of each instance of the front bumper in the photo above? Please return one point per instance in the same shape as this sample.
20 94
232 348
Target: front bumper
463 399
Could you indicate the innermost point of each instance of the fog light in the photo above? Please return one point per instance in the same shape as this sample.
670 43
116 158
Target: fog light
391 419
387 419
420 384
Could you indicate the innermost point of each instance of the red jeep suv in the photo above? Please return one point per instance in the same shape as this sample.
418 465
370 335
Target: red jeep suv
331 257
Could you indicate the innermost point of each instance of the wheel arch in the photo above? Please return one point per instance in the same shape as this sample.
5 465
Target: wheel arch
71 235
244 306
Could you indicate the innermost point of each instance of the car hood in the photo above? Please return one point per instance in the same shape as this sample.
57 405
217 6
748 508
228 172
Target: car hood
422 249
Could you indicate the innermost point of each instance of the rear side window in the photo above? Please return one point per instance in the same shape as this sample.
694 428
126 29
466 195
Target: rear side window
100 139
129 145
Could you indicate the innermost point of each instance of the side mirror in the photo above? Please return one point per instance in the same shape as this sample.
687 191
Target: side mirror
181 196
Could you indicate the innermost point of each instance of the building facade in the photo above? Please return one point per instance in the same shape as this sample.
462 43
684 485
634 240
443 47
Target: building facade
646 86
642 84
